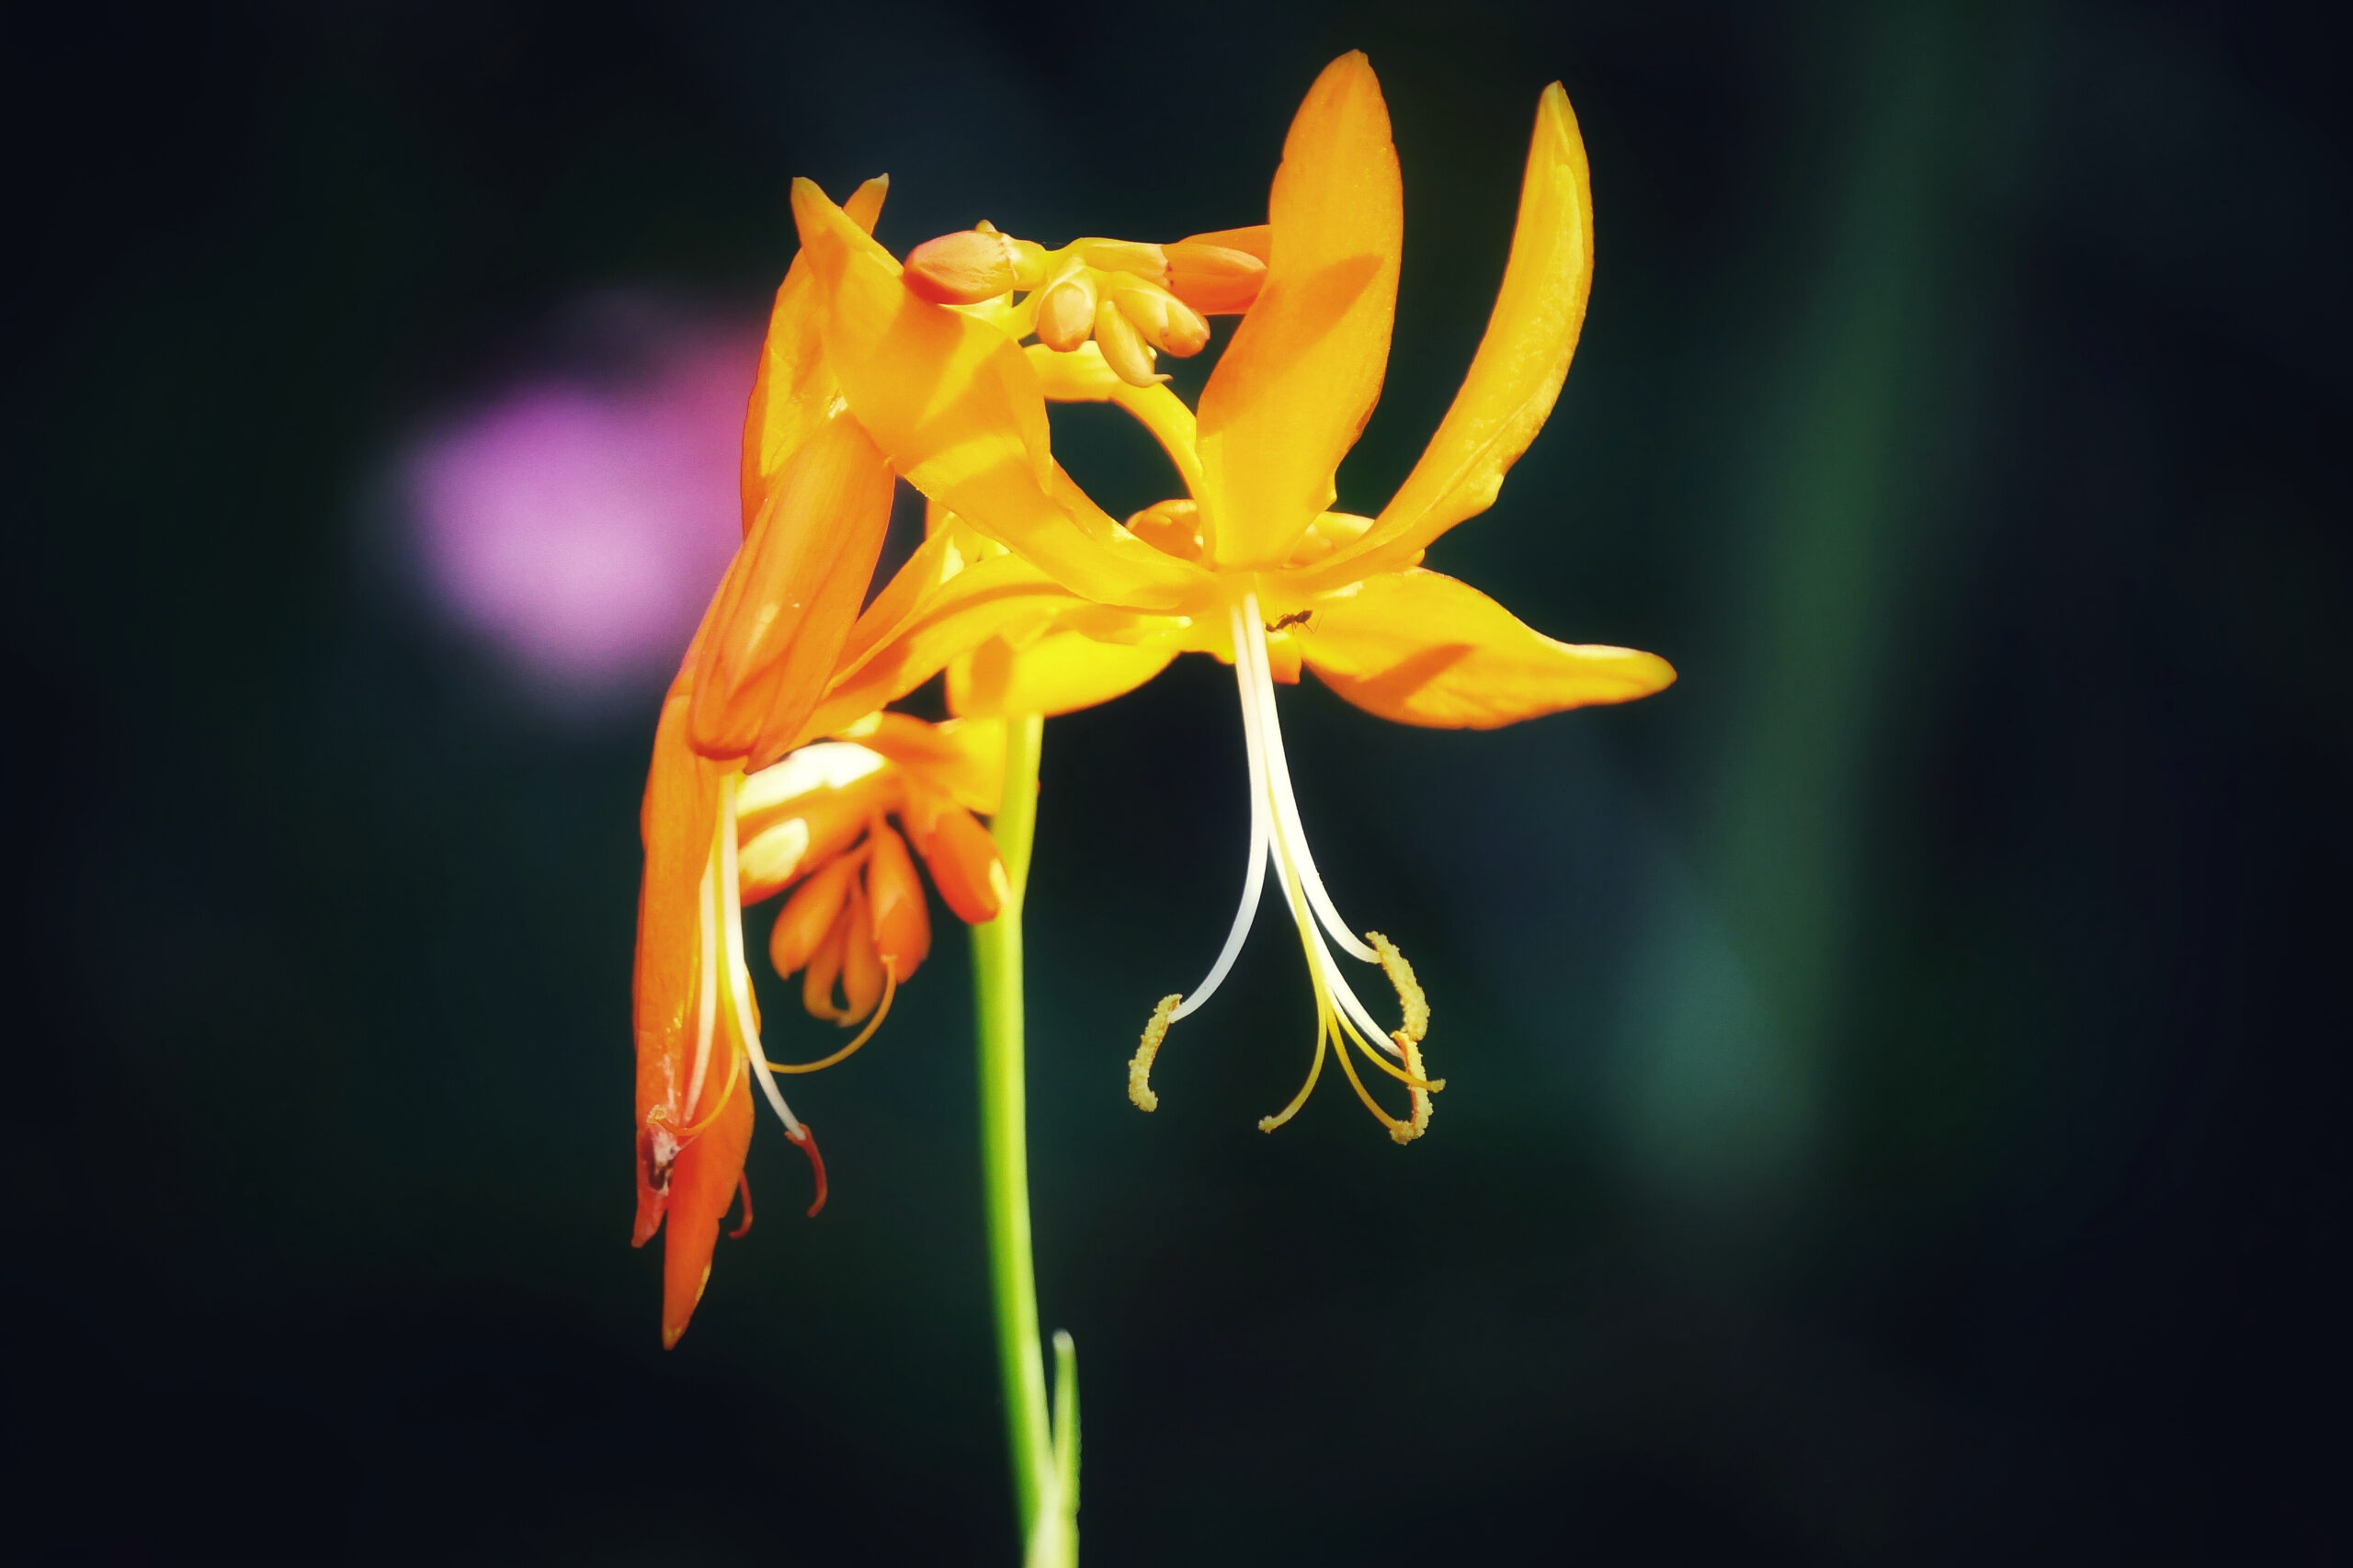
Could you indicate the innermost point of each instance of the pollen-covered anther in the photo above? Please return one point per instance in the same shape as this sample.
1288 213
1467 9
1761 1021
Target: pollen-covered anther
1420 1121
1139 1066
1415 1005
973 265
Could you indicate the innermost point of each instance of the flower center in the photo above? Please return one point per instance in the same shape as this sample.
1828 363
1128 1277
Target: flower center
1278 838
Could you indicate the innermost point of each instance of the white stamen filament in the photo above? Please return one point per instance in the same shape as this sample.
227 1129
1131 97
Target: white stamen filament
739 977
1287 816
1277 836
706 991
1254 883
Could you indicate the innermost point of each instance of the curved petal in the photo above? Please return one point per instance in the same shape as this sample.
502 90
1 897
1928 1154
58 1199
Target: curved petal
964 759
793 391
702 1185
1292 390
1523 358
791 598
1421 648
982 600
679 814
955 405
1062 672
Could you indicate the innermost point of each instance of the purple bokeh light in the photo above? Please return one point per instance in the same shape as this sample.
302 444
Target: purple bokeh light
578 522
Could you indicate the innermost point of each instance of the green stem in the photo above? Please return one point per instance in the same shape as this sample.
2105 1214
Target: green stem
1005 1156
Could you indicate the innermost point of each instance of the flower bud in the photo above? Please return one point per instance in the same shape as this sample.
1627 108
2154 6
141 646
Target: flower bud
824 968
1214 274
809 915
1165 322
861 964
1124 349
965 868
972 265
1172 528
1122 256
1066 312
902 924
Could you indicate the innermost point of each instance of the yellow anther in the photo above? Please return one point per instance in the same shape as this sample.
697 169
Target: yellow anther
1140 1065
1421 1121
1415 1005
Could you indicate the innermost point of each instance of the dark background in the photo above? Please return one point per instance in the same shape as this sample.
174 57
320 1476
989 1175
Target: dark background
1897 1075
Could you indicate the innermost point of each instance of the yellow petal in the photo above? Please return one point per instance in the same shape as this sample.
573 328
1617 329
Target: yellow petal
1058 673
1293 389
954 403
1421 648
793 389
887 659
1522 361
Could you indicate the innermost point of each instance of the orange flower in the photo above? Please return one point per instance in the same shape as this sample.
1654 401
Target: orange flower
770 651
1252 564
821 818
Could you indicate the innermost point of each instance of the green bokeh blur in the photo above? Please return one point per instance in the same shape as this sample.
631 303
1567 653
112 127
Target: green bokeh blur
1895 1075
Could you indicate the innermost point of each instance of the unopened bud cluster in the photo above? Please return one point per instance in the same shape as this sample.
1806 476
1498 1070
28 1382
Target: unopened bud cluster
1134 301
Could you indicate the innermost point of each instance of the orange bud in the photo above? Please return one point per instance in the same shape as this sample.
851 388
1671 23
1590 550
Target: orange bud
1256 240
1172 528
768 643
861 963
809 915
1124 349
902 924
824 968
961 268
971 264
1215 279
965 868
1067 313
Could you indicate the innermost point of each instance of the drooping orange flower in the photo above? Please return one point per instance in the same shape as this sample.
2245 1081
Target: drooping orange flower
756 669
1252 564
821 818
774 646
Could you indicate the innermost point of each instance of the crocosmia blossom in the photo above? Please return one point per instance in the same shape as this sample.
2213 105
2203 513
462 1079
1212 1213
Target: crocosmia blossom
777 768
746 796
1046 602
